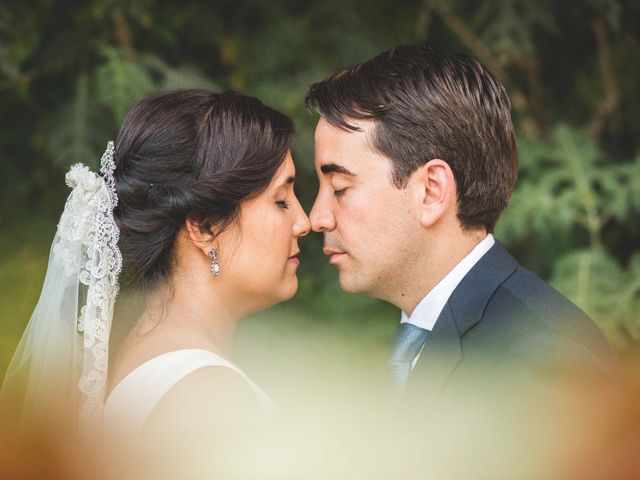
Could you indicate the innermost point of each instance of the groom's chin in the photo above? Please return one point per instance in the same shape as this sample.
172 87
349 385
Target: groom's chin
350 284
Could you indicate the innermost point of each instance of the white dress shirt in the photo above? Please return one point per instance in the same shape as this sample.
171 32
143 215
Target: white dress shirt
430 307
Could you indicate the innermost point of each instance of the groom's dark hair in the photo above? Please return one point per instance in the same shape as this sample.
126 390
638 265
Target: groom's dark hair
430 104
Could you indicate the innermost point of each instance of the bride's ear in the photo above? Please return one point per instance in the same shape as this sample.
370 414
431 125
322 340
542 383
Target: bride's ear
200 238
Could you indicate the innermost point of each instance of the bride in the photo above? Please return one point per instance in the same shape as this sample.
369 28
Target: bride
195 218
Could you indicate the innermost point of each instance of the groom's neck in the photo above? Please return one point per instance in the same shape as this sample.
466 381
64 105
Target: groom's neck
432 265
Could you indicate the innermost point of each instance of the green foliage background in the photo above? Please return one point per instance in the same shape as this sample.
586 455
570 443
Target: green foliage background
70 70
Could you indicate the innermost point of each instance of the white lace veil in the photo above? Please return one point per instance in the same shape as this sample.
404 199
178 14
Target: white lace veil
62 358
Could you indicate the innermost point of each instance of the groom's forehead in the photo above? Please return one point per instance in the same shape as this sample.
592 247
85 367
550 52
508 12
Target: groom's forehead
331 135
341 152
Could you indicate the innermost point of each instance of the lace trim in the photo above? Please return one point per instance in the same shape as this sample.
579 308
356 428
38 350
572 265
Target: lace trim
88 246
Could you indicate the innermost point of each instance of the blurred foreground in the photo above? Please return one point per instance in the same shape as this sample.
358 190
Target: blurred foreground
337 419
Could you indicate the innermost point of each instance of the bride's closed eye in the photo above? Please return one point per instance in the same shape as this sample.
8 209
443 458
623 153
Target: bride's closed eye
282 203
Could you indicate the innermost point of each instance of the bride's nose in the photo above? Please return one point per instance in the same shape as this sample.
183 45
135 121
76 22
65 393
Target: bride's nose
302 226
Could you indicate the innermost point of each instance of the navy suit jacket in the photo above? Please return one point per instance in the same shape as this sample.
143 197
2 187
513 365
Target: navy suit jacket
504 322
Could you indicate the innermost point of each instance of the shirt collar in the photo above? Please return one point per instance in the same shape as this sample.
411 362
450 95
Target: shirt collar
430 307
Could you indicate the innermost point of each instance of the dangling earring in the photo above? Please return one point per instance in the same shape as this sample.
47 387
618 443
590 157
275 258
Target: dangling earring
215 265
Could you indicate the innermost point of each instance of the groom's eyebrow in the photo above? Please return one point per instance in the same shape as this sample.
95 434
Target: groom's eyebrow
328 168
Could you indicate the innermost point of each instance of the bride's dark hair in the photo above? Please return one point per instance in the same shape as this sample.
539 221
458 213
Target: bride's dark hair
189 154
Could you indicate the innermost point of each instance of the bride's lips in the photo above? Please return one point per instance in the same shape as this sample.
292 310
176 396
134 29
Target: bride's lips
295 258
333 254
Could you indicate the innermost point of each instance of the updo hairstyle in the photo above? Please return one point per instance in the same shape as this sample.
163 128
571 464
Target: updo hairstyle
189 154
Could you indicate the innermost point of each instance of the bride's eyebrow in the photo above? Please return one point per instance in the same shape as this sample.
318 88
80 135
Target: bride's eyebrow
289 181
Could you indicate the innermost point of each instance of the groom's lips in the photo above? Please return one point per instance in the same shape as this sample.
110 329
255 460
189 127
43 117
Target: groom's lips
333 254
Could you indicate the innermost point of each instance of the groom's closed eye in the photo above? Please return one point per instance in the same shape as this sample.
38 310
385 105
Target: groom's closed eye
339 184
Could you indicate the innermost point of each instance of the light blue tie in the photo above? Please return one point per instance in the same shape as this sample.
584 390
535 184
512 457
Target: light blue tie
406 346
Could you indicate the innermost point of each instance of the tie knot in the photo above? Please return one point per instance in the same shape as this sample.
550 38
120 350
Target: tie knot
408 342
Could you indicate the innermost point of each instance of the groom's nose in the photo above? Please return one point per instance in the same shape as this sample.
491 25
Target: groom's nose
321 216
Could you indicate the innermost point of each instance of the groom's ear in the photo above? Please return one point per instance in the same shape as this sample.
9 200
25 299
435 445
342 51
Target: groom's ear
437 189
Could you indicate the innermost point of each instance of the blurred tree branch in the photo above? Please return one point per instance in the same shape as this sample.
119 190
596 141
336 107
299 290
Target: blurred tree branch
611 100
467 36
479 49
123 36
531 66
30 75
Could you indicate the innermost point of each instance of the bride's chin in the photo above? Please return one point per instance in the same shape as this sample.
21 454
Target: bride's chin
284 291
289 290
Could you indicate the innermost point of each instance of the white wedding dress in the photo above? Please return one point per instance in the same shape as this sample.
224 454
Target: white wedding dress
132 401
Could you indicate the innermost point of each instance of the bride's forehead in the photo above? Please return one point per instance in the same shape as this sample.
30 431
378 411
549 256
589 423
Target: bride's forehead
287 169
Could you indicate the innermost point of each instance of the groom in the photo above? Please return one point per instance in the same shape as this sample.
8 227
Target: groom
416 158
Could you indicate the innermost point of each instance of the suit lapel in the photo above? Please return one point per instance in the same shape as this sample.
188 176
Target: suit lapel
465 308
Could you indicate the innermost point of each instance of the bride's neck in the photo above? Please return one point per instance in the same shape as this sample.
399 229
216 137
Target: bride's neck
189 315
